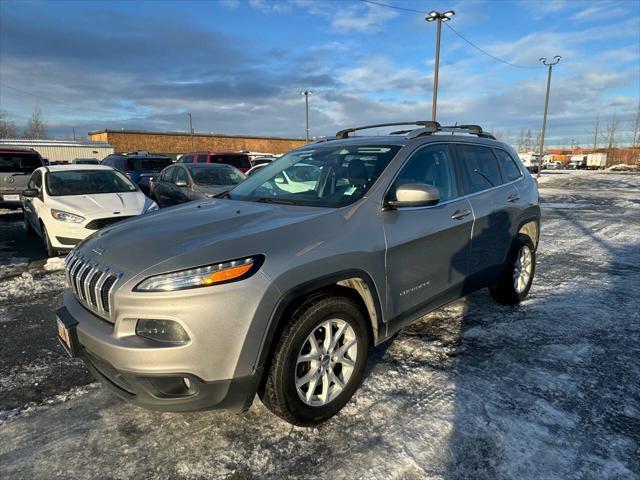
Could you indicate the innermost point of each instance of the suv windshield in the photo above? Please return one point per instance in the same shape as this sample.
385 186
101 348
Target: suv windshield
148 164
327 176
19 162
87 182
215 175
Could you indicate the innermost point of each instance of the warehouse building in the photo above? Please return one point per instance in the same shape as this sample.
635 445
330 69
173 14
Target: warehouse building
177 143
61 151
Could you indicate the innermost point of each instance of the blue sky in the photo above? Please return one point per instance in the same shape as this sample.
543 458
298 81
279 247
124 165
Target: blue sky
238 65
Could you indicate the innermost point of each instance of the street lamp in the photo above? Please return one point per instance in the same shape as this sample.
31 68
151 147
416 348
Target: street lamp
306 94
549 64
440 17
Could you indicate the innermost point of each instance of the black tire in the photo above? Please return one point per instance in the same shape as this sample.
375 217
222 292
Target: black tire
26 225
51 252
279 393
505 291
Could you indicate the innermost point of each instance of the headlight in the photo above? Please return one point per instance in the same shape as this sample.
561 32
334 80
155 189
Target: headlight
152 208
66 216
218 273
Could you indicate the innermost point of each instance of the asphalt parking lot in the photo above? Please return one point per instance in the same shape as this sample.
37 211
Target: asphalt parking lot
547 389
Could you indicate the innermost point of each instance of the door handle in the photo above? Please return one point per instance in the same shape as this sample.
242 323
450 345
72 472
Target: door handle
460 214
513 198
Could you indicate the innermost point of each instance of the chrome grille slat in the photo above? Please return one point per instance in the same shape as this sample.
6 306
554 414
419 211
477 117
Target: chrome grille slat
91 283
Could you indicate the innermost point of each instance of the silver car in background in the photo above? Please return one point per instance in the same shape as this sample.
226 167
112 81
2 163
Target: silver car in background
281 291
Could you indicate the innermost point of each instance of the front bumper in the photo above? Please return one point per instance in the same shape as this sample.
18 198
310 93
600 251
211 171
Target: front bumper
167 391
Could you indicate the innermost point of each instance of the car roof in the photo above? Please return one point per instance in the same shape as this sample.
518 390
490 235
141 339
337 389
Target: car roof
400 140
75 166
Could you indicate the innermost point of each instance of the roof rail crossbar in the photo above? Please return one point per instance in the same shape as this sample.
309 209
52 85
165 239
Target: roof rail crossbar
424 123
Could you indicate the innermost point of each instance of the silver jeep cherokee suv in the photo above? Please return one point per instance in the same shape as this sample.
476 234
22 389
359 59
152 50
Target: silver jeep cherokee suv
280 286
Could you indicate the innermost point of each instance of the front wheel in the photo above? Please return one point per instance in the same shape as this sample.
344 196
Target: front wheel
318 362
51 252
517 277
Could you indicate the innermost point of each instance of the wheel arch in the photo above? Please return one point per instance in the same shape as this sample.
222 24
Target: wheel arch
355 284
530 227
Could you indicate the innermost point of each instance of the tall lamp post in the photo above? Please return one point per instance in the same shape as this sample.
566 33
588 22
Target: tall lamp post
440 17
550 65
306 94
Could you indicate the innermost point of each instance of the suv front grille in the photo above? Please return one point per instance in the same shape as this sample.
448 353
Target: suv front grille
91 283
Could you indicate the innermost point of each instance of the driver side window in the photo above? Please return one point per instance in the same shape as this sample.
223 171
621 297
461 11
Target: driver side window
432 165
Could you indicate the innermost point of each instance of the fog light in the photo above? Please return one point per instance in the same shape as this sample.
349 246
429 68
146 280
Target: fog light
166 331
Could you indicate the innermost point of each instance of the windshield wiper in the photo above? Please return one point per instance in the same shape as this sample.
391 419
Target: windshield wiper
273 200
224 194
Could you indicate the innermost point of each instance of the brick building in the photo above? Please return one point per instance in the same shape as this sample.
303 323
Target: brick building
176 143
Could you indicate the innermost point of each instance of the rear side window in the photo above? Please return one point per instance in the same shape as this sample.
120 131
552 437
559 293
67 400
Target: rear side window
480 167
19 162
509 167
432 165
148 164
186 159
238 161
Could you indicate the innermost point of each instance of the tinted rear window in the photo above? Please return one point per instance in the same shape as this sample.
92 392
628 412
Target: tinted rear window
19 162
238 161
148 164
509 168
480 167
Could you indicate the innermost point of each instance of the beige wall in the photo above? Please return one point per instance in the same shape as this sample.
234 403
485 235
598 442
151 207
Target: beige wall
178 143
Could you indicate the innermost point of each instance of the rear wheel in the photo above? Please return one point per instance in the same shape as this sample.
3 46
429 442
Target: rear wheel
517 277
51 252
318 362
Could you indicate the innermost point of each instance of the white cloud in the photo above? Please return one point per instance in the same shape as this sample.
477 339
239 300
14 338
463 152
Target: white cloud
354 19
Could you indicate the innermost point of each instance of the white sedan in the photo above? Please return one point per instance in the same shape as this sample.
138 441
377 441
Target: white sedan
64 204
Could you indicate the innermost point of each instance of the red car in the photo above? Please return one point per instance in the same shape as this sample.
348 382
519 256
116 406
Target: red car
239 160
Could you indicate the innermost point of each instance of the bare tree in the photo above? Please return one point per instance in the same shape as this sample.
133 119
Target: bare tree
7 127
611 139
36 126
520 141
528 141
596 131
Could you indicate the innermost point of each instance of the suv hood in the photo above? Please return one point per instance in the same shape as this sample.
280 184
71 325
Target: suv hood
102 203
197 233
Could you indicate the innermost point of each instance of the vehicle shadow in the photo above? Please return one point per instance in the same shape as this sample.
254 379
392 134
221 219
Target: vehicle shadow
543 388
549 388
15 244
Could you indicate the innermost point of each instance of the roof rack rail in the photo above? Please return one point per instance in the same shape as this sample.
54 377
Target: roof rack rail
423 123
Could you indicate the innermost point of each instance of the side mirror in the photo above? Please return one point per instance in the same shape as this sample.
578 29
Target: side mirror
30 193
280 179
415 195
181 183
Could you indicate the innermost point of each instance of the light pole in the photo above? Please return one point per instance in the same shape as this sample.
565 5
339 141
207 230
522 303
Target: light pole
191 130
550 65
306 94
440 17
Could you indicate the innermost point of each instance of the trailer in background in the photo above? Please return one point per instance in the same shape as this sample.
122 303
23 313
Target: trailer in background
530 160
61 151
596 161
578 162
